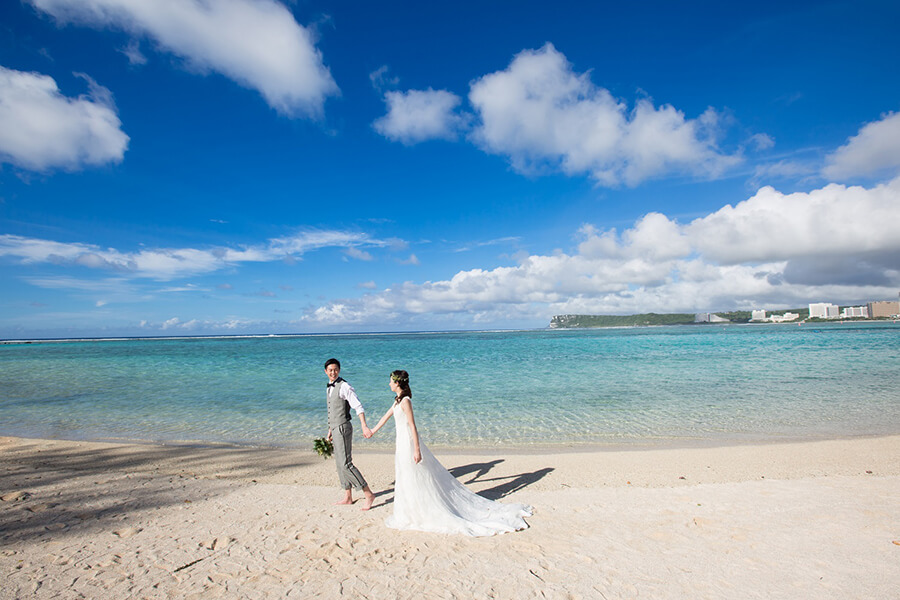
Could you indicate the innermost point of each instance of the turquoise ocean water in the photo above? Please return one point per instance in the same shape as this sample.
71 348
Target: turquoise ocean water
545 387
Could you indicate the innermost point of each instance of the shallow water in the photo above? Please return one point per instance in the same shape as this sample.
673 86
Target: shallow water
636 385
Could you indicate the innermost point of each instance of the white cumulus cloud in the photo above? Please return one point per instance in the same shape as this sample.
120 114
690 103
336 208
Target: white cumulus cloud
540 113
874 150
256 43
418 115
836 244
41 129
771 226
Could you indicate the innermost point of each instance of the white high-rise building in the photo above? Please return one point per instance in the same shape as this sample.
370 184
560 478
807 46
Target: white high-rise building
855 312
758 315
824 310
788 316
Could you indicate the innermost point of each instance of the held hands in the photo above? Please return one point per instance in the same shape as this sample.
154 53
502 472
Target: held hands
367 432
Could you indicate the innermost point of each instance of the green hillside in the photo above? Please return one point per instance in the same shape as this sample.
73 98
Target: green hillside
577 321
648 319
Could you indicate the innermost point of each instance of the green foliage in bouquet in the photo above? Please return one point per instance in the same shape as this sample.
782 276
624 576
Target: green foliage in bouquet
323 447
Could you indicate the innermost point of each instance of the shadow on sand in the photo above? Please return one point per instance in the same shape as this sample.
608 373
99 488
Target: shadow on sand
52 490
478 472
511 483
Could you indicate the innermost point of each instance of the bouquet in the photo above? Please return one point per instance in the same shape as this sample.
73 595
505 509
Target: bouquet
323 447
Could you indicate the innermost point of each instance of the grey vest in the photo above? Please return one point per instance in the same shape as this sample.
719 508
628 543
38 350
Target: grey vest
338 408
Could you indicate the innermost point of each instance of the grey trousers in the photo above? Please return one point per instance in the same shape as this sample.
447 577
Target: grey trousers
343 443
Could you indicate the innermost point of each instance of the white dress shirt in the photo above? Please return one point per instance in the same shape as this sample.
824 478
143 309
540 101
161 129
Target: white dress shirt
349 394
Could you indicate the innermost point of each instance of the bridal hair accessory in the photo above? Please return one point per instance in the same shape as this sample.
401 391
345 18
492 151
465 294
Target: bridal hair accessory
399 379
323 447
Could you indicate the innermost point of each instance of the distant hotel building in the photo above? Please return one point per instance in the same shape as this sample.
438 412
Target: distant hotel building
855 312
883 309
788 316
709 318
760 315
824 310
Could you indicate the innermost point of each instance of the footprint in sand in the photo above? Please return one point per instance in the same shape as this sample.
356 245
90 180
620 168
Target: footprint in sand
127 532
219 542
15 496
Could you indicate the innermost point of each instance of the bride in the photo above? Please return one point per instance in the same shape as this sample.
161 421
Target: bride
426 496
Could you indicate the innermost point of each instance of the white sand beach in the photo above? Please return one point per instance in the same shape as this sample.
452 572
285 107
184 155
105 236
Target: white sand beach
778 520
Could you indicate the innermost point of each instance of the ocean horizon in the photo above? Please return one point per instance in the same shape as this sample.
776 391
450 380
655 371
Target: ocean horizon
681 384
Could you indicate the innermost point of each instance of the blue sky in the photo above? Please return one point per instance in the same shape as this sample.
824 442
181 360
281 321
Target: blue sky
186 167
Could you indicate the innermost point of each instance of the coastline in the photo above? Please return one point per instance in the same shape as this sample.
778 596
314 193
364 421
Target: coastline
385 444
339 334
760 520
572 466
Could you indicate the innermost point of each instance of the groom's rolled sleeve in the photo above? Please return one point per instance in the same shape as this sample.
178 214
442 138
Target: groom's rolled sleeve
349 394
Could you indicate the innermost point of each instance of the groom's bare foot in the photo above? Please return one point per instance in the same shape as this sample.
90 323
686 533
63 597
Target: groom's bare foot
370 499
347 499
343 502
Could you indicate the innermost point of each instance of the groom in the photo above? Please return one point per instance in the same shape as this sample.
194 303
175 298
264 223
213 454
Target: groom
341 398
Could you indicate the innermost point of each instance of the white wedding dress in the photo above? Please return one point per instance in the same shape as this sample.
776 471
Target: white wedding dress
428 498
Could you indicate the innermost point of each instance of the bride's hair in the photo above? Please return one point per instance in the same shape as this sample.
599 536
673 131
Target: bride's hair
401 378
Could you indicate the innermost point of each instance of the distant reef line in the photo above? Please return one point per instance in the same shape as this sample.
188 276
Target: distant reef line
650 319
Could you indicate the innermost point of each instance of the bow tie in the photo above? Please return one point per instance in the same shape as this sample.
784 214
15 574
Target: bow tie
331 384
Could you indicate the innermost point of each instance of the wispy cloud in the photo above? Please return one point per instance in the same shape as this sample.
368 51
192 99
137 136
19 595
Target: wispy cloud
263 294
133 52
171 263
358 254
176 324
779 170
109 285
494 242
183 288
256 43
40 129
380 78
306 241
